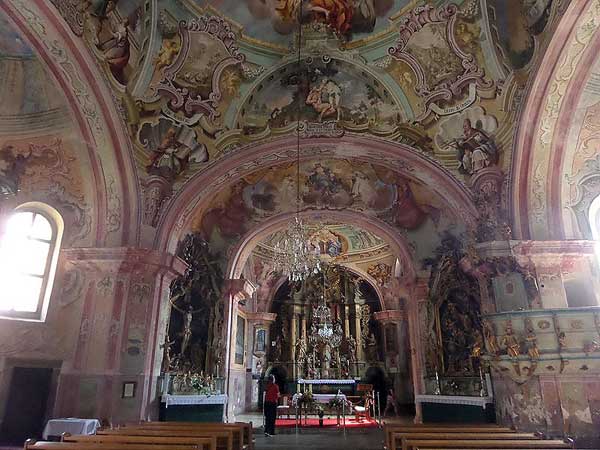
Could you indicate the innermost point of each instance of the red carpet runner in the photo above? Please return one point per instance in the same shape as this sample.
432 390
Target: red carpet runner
314 422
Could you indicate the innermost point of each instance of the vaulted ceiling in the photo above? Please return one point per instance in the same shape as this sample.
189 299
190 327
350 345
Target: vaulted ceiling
410 112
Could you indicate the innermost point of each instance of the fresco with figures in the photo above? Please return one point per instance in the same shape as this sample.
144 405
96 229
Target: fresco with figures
327 185
220 74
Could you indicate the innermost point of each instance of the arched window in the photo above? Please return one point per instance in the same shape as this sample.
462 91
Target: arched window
28 255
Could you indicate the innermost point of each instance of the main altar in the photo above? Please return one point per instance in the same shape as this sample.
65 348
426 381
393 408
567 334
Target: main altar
326 345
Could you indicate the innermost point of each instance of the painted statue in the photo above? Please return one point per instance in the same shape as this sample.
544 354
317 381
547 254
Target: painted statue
116 50
510 341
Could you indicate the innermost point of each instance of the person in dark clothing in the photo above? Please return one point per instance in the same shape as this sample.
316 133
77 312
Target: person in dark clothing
270 405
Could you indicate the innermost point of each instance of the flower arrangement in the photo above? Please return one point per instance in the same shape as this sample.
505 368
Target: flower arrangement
203 384
339 402
305 400
193 383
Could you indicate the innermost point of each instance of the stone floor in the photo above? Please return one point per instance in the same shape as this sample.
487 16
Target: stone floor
313 439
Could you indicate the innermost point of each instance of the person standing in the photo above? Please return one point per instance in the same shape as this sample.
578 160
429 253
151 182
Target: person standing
270 405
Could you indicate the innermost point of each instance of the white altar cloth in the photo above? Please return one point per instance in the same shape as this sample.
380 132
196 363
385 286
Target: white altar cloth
455 400
319 398
216 399
303 381
56 427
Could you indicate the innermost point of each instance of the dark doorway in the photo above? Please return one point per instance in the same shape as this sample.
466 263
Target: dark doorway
26 406
376 377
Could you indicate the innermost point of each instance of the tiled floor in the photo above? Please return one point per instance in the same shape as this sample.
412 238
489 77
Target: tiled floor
288 439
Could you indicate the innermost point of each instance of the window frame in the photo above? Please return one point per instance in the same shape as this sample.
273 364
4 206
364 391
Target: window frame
39 315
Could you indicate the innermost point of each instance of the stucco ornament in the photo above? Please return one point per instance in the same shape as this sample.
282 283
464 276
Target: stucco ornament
191 82
443 70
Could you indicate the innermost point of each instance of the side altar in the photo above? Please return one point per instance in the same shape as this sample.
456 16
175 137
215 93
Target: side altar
189 397
192 386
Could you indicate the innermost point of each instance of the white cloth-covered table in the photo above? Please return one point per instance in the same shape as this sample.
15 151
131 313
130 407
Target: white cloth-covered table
56 427
319 398
455 400
217 399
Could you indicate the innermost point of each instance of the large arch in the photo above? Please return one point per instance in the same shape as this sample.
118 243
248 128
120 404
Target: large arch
223 172
242 250
96 117
541 142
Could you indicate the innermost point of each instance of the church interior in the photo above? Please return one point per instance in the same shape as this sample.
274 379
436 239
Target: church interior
386 212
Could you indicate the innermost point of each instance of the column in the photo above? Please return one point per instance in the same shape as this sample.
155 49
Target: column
293 341
346 321
419 300
303 327
360 356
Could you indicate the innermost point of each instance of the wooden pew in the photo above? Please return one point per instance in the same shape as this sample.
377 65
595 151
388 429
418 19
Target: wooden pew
389 429
478 444
434 435
32 444
203 443
242 432
246 428
224 436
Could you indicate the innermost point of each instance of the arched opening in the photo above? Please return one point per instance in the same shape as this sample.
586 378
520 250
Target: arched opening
29 247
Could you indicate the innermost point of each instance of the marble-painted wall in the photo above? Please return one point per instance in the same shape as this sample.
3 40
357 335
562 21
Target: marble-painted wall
551 404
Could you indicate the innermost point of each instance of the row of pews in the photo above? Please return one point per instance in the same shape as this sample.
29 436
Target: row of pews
465 437
158 435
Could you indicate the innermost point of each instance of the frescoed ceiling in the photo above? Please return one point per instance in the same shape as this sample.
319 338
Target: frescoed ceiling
200 83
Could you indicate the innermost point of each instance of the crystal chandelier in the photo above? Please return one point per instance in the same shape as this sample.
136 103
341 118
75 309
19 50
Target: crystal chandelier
326 330
294 254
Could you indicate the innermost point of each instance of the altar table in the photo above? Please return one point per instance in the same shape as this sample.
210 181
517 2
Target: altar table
192 408
453 408
319 398
56 427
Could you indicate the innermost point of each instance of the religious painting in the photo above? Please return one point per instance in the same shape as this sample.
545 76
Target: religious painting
326 91
517 23
328 184
274 21
240 340
470 136
172 147
440 63
110 30
443 70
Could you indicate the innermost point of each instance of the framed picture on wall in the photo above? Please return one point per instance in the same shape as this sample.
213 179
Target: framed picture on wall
129 389
240 340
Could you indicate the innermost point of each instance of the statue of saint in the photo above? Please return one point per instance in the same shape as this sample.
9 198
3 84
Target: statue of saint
513 349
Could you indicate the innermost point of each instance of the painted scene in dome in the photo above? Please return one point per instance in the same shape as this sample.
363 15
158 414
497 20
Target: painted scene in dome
517 23
275 20
325 92
327 185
